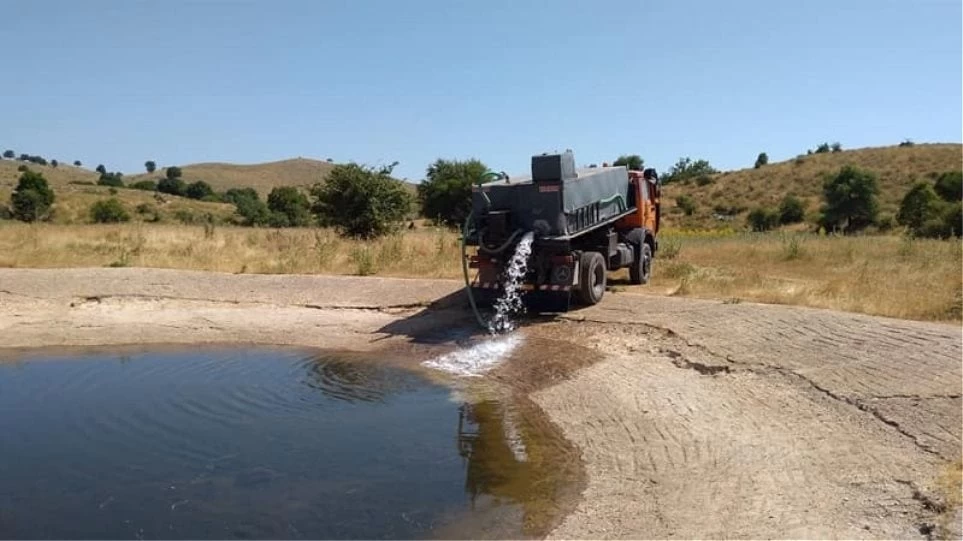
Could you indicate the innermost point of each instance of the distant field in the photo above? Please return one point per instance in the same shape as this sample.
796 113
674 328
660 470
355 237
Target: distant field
889 276
897 167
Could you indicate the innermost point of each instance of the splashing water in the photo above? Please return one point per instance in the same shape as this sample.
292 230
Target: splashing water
477 359
510 302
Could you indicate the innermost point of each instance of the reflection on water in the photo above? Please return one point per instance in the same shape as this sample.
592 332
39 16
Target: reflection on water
268 443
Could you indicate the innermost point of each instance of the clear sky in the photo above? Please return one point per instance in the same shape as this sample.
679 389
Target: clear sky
122 81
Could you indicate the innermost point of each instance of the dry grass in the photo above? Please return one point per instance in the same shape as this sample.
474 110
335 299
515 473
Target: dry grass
881 275
897 167
422 253
889 276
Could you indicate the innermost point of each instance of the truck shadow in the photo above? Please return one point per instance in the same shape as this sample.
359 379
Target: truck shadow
447 320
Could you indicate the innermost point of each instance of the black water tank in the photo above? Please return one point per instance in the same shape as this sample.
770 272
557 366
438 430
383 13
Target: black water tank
553 167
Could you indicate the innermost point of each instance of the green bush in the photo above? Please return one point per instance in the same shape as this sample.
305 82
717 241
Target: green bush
108 211
173 186
791 210
686 203
253 212
236 194
146 185
949 186
32 198
360 201
77 163
763 219
850 200
292 204
22 167
199 190
173 172
685 169
111 179
150 166
445 194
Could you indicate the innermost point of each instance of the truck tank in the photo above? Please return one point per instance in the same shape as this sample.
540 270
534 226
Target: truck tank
555 200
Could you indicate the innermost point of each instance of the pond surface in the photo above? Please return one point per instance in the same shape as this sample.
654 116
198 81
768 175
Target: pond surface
262 443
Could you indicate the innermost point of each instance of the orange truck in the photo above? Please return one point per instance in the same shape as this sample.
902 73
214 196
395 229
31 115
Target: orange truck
583 224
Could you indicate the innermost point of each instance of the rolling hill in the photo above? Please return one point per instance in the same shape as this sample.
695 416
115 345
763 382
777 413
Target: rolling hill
263 177
745 189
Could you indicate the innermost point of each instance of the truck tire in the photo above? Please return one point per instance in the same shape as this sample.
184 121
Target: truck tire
641 268
591 278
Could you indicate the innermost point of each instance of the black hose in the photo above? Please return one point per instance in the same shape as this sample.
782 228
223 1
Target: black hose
500 249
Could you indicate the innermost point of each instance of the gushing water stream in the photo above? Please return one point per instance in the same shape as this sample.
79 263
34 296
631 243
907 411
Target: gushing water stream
484 355
510 303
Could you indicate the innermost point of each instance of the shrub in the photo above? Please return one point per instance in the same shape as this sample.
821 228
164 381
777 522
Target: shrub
9 154
632 162
108 211
77 163
150 166
290 202
173 186
199 190
234 195
146 185
836 147
22 167
949 186
445 194
686 169
763 219
850 200
253 211
101 169
762 159
823 148
907 143
686 203
703 180
54 163
173 172
791 210
32 198
278 219
360 201
111 179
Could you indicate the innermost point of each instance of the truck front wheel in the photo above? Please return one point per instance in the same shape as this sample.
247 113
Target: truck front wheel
591 278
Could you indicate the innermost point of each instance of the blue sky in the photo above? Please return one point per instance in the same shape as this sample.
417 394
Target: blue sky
374 81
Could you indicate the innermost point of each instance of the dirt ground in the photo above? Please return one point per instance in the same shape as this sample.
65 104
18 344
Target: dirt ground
695 419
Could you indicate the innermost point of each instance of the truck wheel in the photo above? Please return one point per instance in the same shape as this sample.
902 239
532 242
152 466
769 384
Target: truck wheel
591 278
641 268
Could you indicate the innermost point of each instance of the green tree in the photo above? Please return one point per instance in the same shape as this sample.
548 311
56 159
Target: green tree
54 163
32 198
77 163
823 148
632 162
9 154
108 211
922 212
949 186
761 160
953 219
101 169
150 166
686 203
199 190
173 186
850 200
445 194
836 147
173 172
360 201
146 185
762 219
791 210
289 202
686 169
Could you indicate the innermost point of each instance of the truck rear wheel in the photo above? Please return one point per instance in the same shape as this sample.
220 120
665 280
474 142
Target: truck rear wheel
641 268
591 278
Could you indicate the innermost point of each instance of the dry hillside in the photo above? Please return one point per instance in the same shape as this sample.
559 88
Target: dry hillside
263 177
56 176
897 168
